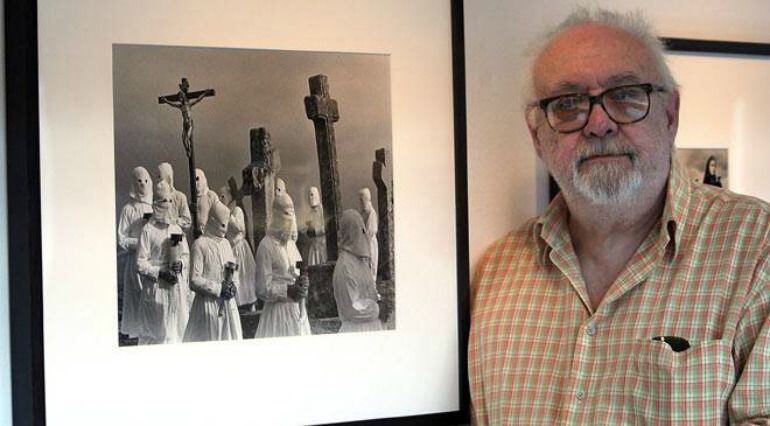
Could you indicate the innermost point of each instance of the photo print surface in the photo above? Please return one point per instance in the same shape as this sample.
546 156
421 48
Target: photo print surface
705 165
254 193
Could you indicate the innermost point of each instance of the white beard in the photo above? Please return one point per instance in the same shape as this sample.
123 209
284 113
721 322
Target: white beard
607 183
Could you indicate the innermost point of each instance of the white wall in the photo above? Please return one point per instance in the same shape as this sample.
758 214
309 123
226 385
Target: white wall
502 169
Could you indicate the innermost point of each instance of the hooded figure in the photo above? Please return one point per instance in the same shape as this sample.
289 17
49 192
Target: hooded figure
316 228
206 198
212 260
370 221
354 289
181 209
236 230
275 273
710 174
132 219
163 259
291 245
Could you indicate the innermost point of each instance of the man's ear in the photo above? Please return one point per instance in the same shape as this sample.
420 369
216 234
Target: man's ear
672 113
530 116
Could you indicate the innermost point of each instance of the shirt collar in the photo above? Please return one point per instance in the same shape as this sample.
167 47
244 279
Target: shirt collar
551 229
677 203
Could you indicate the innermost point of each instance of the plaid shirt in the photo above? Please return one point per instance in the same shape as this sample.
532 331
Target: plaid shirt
539 353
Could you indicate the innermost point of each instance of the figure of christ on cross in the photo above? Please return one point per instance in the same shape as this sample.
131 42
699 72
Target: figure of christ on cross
184 100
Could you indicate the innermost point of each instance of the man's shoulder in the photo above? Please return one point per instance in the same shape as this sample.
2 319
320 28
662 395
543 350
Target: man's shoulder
515 241
517 248
728 211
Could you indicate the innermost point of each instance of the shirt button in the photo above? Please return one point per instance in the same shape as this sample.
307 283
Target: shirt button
591 329
579 395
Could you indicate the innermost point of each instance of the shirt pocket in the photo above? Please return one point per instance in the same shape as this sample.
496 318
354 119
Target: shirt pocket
680 387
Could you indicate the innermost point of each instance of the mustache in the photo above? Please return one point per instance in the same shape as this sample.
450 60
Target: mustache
605 147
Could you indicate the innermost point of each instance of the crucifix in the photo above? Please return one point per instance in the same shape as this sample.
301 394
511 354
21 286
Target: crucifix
184 100
322 110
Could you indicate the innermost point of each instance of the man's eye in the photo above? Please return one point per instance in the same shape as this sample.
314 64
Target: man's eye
566 103
625 94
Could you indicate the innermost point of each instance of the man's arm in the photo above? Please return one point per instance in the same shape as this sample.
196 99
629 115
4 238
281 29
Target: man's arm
749 402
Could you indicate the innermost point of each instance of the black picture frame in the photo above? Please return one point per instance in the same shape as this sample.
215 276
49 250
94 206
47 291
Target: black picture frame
690 45
24 218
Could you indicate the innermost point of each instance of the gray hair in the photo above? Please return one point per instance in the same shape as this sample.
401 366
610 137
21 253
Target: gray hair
633 23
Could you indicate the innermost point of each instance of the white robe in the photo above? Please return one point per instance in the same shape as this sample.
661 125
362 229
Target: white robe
316 254
370 222
129 227
355 294
244 257
205 202
280 315
164 307
182 210
208 259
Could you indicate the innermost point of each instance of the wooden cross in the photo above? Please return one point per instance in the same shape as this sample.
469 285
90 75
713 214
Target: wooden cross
184 100
322 110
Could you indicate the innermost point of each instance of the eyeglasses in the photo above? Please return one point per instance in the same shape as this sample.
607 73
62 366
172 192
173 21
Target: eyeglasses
623 104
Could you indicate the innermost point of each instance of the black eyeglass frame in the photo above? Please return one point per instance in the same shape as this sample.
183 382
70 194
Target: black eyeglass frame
599 99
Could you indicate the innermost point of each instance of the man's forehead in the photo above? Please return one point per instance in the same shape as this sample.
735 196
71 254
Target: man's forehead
581 84
591 56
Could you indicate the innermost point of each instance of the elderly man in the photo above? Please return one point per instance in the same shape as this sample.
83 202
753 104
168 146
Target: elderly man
637 296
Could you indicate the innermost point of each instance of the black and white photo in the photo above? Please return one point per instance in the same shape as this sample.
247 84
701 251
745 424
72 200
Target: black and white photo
244 160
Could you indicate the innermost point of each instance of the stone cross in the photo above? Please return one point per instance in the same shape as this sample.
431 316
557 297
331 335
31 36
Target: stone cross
184 100
384 185
322 110
259 181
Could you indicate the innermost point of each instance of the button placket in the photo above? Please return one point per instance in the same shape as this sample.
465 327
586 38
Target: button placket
591 329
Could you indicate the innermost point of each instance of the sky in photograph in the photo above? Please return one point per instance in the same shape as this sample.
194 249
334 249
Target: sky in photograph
254 88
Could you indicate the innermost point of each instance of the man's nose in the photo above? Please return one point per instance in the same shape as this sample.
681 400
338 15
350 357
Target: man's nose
599 123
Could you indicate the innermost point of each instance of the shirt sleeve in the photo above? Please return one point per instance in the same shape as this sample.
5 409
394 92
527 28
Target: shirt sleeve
268 288
479 415
749 402
143 256
198 282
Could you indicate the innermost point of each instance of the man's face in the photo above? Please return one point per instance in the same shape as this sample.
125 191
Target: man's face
604 162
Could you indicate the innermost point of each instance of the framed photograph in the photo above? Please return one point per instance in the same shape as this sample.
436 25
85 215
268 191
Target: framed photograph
725 98
705 166
285 128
